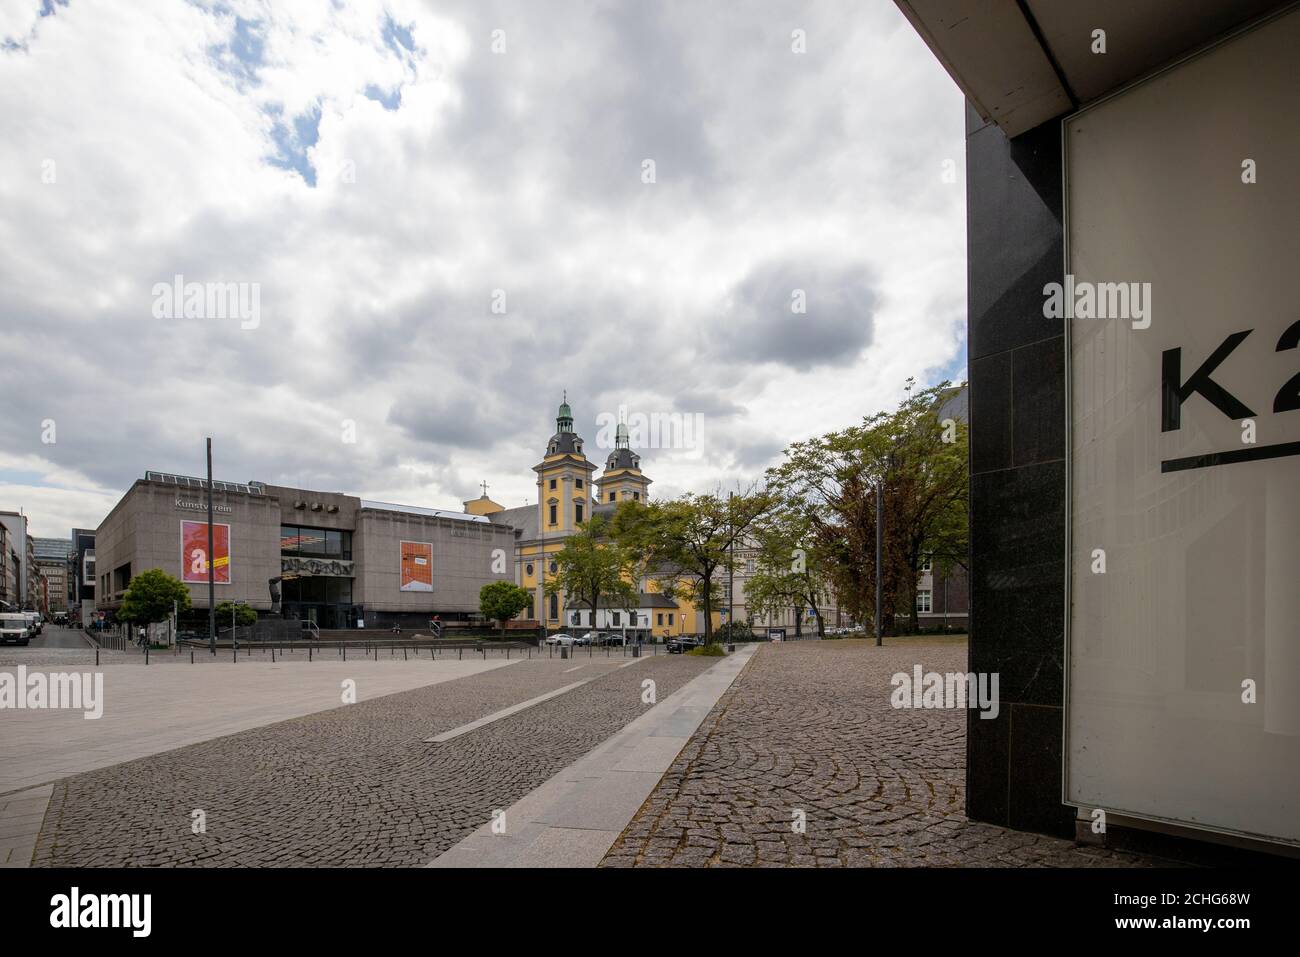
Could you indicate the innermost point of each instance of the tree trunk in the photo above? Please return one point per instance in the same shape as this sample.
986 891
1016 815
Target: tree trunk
817 613
708 610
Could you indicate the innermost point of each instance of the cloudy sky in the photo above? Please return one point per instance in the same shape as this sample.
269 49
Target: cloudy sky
392 174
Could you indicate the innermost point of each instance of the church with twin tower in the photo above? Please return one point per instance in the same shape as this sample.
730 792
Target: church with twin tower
569 493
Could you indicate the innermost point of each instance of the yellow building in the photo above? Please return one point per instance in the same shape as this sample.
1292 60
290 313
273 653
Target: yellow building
568 494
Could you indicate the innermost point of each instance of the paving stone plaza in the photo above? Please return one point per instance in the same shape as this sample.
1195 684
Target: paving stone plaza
784 754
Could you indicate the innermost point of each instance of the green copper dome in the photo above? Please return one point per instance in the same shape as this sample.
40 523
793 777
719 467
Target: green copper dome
564 421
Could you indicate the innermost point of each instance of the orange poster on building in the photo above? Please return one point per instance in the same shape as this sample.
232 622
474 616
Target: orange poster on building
417 566
194 553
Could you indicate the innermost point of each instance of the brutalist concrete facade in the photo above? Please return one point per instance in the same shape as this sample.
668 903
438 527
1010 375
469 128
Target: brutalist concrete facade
143 531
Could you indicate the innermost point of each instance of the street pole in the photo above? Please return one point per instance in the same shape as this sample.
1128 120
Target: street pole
731 569
212 584
880 537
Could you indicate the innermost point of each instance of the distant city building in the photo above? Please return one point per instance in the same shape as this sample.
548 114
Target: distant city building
52 564
568 494
22 592
341 561
10 566
346 562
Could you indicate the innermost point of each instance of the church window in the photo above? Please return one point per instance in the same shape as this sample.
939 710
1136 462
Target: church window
611 496
552 484
553 508
528 569
555 607
579 483
577 514
636 496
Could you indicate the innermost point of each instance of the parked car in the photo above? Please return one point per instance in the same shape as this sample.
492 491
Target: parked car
613 638
15 627
683 644
561 640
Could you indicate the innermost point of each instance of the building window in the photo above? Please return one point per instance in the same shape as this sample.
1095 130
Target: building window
636 496
577 514
611 496
552 484
925 564
670 619
555 607
923 601
660 616
554 568
579 483
617 618
528 569
749 566
316 542
553 514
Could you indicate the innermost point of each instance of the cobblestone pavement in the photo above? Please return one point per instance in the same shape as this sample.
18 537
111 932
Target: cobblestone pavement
808 727
355 786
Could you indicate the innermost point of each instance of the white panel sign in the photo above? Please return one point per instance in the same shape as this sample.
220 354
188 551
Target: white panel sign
1183 213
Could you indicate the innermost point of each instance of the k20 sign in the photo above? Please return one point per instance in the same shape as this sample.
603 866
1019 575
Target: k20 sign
194 553
1183 624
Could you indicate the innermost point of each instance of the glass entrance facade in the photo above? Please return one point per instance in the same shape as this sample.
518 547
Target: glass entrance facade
326 601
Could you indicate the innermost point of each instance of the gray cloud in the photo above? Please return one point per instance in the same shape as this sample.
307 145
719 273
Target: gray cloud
761 323
517 171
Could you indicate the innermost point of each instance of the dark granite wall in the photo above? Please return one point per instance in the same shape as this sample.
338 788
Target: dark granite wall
1017 435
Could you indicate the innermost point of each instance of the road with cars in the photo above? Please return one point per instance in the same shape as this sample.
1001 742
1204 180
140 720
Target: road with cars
58 636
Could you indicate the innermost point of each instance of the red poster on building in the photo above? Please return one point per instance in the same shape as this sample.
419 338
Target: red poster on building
194 553
417 566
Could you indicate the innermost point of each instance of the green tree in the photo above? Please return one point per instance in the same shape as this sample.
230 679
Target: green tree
919 463
684 543
591 567
244 615
791 568
501 601
151 596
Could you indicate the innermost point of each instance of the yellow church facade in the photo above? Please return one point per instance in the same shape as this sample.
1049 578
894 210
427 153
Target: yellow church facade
568 494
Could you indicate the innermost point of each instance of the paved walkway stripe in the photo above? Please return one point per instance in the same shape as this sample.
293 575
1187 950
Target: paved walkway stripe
516 708
503 713
574 818
21 816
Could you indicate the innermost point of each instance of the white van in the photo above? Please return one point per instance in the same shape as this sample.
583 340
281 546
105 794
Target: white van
14 626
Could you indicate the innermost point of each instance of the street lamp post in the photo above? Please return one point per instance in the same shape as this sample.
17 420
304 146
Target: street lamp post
880 537
212 589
